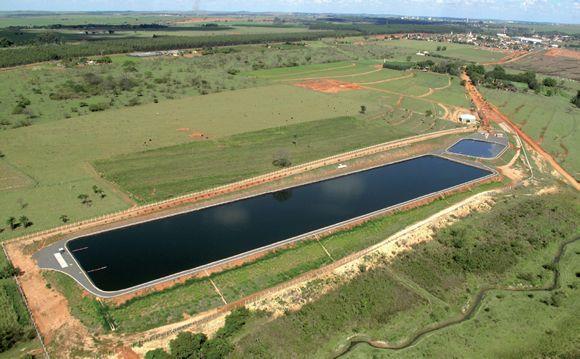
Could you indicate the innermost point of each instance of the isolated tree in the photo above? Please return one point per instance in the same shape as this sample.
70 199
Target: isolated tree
363 109
11 222
282 159
409 58
438 48
64 218
25 222
429 113
85 199
2 154
444 48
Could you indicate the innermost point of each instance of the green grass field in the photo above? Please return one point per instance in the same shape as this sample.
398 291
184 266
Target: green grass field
170 171
552 121
63 149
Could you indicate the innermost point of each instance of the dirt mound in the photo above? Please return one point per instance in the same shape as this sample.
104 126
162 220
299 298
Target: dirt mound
328 86
563 53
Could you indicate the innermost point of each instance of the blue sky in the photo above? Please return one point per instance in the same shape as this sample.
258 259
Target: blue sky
567 11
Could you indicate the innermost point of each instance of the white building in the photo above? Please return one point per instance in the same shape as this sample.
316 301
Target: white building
468 119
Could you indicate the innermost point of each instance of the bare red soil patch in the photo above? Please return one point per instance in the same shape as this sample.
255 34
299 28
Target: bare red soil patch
328 86
563 53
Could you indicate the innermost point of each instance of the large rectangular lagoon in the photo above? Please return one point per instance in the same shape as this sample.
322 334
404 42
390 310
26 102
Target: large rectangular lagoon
130 256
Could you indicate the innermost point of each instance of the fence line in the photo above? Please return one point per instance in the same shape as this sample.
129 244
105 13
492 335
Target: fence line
243 184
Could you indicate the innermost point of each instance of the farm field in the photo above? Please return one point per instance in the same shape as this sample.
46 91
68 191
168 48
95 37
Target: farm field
552 121
434 294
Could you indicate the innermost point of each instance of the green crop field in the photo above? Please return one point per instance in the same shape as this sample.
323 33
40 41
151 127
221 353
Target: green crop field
552 121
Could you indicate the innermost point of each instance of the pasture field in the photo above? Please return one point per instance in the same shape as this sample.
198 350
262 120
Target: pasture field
170 171
51 92
64 148
430 87
552 121
403 48
506 322
196 295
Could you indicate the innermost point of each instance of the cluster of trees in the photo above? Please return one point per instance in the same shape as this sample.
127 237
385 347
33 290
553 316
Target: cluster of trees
37 53
401 66
443 67
13 223
190 345
91 84
499 74
498 78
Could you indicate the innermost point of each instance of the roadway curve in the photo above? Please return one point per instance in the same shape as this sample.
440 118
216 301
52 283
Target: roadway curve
469 314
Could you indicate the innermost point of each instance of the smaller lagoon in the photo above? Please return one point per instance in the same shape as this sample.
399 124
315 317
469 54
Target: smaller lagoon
477 148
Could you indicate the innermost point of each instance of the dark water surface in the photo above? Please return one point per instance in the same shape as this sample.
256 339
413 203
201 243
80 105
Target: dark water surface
477 148
151 250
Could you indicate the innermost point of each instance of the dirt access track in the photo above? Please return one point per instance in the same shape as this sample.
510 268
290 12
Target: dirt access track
489 112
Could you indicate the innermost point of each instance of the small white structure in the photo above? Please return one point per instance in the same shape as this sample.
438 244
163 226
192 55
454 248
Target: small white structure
468 119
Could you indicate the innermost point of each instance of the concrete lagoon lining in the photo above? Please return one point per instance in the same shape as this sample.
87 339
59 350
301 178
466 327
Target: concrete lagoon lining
275 205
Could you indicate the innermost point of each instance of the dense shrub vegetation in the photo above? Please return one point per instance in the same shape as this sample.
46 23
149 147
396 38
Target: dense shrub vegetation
478 251
197 345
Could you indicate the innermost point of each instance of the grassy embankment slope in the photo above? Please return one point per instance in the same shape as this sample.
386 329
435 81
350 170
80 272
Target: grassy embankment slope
510 246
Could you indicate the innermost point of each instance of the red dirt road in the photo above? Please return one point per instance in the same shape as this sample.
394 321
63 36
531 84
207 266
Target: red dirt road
489 112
